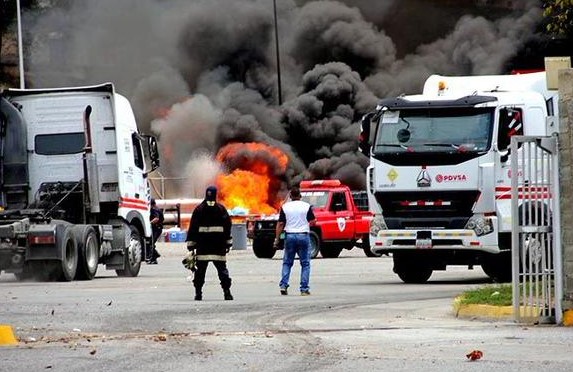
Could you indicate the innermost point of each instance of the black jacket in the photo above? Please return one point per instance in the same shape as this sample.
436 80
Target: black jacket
156 212
209 231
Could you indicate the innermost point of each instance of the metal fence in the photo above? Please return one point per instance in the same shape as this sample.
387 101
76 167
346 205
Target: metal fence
536 236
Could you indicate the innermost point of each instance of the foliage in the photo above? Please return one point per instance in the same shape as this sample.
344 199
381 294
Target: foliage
496 295
559 17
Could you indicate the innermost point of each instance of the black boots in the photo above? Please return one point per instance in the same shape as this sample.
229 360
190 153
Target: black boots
226 293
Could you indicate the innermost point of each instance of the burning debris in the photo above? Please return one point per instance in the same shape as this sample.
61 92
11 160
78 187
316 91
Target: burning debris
202 75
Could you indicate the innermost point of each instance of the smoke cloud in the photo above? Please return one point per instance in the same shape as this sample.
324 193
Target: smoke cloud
202 74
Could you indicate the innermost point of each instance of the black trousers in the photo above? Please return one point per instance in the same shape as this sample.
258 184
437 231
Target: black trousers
222 272
153 254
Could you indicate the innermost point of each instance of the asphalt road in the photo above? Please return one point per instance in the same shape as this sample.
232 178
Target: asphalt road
359 316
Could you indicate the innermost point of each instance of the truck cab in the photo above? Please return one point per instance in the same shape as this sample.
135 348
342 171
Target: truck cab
439 180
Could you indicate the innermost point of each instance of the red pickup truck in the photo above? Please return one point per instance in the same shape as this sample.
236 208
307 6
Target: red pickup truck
342 221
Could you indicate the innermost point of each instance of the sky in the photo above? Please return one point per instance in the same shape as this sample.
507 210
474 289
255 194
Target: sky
202 74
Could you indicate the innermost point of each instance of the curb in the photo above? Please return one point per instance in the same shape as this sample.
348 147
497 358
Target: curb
482 311
492 312
7 336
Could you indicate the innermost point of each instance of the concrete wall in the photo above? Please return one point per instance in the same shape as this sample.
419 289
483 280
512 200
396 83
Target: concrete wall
565 181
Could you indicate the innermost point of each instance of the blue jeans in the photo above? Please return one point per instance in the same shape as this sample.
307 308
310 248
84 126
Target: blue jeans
296 244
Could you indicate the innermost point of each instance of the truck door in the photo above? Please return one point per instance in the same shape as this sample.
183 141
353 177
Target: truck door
342 223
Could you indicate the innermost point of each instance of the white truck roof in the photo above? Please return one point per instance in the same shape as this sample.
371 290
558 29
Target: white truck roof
467 85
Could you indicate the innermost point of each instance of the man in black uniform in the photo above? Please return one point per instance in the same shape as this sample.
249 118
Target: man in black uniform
209 235
156 218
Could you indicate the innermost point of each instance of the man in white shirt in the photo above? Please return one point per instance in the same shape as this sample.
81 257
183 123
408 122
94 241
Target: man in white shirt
295 218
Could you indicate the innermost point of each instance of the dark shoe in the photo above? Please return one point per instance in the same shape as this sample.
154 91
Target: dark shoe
152 262
305 293
228 295
284 291
198 297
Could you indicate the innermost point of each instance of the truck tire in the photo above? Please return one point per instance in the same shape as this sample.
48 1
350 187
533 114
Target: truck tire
263 248
314 245
88 252
414 275
132 255
330 250
366 248
409 269
498 266
65 270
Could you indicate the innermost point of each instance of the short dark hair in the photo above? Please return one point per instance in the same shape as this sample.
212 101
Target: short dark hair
295 192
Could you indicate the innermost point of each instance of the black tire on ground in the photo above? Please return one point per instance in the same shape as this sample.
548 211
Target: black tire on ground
414 275
498 266
331 250
314 245
132 254
366 247
65 270
88 252
263 248
410 269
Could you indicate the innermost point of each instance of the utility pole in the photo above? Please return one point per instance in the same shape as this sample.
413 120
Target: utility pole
277 53
20 51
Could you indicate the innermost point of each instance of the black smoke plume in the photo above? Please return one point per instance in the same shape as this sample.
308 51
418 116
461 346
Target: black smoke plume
202 74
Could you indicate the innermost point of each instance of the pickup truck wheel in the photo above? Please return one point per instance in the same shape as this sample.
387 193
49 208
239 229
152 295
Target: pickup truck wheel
330 250
88 252
132 254
263 248
366 248
314 245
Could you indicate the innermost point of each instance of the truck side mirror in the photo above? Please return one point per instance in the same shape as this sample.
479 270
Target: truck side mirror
153 152
364 139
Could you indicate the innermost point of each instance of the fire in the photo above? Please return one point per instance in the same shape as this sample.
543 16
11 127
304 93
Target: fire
254 182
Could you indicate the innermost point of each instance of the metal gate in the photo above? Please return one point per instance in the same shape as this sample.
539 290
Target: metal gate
536 236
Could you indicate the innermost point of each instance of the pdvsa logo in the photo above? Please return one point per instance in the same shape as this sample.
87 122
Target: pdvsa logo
451 178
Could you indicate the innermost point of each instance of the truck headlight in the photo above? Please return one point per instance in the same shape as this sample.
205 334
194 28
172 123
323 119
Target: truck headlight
377 224
480 225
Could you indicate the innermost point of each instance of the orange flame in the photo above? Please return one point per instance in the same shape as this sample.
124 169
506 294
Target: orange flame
253 186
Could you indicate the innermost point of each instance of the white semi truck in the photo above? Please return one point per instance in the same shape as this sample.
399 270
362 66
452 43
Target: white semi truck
439 180
74 191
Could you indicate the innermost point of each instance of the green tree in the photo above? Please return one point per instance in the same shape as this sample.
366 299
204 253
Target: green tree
559 17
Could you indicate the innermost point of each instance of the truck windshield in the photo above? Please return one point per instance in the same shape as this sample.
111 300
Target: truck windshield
435 130
317 199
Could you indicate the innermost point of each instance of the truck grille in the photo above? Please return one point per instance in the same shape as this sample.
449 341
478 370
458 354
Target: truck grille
427 210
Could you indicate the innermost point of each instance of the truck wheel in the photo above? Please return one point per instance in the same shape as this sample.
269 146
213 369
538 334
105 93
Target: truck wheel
314 245
498 266
88 252
410 269
414 275
132 255
331 250
263 248
65 270
366 248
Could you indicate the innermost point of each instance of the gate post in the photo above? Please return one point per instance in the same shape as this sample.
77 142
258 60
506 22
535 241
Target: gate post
565 185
